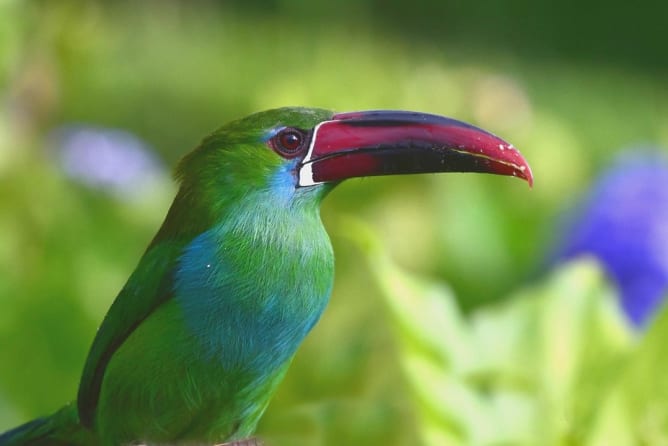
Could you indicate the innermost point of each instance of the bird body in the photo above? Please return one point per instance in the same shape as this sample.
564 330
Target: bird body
233 324
198 339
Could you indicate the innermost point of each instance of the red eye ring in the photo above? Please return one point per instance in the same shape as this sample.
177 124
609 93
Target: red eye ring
289 142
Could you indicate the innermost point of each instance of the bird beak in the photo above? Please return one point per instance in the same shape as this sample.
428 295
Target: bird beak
370 143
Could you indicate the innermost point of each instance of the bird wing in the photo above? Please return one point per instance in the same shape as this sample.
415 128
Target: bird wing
149 286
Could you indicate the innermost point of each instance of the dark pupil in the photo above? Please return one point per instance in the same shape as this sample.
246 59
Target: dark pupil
291 141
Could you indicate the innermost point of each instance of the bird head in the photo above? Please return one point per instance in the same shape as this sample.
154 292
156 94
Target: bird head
312 147
299 154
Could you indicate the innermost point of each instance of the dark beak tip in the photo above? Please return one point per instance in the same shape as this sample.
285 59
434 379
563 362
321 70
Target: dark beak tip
521 168
525 175
529 176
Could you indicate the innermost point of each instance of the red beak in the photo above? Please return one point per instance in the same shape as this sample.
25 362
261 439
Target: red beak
370 143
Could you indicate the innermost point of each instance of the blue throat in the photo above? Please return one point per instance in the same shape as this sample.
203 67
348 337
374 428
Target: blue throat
252 287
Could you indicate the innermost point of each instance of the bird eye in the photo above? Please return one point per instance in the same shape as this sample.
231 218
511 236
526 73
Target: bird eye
289 142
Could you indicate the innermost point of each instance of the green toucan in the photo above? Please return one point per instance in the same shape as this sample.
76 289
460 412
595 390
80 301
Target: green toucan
200 336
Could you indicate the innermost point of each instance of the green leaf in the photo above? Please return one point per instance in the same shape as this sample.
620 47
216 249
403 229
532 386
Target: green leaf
642 396
534 369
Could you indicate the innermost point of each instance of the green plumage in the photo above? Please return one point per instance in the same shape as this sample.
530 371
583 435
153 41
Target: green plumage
197 341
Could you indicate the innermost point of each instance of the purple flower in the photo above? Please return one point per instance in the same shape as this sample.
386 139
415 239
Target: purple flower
108 159
623 222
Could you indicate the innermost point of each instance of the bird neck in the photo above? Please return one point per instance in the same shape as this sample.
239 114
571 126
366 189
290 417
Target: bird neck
253 285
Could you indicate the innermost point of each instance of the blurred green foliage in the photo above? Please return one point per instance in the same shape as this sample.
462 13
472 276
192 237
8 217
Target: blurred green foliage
555 364
567 84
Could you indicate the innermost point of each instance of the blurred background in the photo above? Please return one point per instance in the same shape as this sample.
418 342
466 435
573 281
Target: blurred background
467 309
